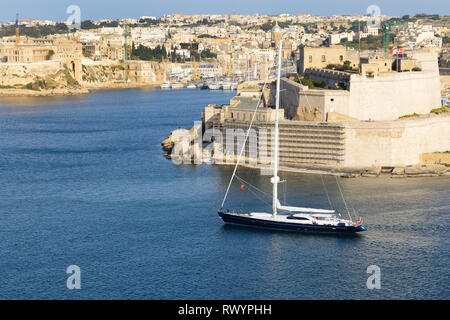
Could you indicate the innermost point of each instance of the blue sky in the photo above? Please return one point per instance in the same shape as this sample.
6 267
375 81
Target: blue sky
99 9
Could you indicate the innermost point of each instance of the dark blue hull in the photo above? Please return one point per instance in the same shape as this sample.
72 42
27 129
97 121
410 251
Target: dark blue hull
286 226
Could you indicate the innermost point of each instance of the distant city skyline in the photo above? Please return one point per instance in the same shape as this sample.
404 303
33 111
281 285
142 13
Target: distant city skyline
101 9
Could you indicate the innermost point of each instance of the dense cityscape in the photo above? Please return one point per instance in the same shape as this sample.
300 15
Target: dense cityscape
152 50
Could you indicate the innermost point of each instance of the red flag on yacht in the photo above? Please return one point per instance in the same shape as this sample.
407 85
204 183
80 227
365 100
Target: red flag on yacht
242 188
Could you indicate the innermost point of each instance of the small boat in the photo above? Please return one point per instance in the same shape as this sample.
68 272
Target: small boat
166 85
283 217
214 86
177 85
203 86
226 86
191 86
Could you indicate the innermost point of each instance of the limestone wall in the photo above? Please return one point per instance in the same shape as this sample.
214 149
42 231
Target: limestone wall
395 143
353 144
14 74
302 103
390 96
114 73
384 97
435 158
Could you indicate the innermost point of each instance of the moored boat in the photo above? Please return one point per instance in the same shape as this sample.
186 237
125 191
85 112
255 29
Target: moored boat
214 86
177 85
226 86
166 85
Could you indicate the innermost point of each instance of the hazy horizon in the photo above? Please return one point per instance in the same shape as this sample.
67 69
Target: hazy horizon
101 9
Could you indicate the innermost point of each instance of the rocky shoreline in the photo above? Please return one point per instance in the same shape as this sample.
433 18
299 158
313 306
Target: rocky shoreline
71 92
41 93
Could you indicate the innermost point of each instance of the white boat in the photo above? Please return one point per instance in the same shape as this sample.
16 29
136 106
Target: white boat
166 85
191 86
214 86
289 218
226 86
177 85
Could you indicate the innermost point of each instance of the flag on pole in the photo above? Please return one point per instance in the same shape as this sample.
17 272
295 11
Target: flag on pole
396 51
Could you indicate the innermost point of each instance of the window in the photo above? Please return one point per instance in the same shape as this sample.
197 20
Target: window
332 99
297 218
341 58
310 58
324 58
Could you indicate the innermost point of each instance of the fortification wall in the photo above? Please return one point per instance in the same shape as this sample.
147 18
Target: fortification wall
390 96
13 74
114 74
301 103
352 145
395 143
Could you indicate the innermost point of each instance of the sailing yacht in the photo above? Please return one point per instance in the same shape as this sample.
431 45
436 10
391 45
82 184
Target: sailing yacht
285 217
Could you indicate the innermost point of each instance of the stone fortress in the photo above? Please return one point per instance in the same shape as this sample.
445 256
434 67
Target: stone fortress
359 121
39 56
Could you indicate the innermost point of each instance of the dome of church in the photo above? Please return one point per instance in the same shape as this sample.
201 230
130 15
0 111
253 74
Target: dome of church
276 28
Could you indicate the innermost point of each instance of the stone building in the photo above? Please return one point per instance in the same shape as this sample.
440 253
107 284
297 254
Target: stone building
146 72
68 52
323 56
24 53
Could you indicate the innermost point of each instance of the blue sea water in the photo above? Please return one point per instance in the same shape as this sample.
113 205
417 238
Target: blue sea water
83 181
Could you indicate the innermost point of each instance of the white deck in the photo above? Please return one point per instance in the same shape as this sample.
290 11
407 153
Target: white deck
316 219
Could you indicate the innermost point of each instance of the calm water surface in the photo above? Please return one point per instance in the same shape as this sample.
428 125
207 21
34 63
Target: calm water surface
83 181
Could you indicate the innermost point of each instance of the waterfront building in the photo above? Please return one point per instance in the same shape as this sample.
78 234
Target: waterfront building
146 72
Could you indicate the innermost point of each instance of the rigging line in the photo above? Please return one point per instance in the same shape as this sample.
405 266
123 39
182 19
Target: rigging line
356 214
243 145
342 195
260 198
326 192
245 182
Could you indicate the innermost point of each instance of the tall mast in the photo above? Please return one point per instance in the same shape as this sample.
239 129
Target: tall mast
276 179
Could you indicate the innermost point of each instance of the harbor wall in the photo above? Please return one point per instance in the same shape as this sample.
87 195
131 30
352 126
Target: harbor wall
395 143
390 96
353 144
